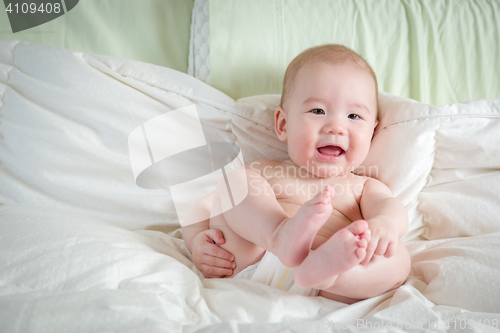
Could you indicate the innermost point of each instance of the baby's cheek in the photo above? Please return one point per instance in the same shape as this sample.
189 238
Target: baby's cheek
298 148
364 142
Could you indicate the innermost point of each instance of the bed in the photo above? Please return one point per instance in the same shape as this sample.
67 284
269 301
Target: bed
84 248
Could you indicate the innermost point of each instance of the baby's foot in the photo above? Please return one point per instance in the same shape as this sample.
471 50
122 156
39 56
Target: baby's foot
344 250
293 238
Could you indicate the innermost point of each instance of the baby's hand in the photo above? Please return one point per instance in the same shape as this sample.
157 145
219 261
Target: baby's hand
384 238
212 260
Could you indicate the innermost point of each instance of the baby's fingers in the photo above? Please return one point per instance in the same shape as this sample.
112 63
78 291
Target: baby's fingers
213 267
210 271
381 247
217 262
218 252
216 236
370 250
391 249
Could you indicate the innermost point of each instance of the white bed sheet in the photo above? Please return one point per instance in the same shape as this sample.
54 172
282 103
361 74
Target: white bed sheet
75 255
64 272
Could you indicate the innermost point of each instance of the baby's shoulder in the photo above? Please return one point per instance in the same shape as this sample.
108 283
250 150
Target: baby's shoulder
364 184
375 185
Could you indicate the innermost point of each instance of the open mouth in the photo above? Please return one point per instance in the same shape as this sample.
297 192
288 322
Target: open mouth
330 151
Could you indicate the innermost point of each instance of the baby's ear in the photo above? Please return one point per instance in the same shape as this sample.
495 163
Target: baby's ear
280 123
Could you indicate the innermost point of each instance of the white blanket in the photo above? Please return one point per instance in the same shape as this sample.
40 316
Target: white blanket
76 254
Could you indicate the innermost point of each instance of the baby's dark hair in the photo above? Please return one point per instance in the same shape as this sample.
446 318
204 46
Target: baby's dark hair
329 53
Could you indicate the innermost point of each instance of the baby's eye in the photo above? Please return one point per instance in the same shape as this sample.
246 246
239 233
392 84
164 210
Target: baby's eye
353 116
318 111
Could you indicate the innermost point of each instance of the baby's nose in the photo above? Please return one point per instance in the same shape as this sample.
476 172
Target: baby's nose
335 127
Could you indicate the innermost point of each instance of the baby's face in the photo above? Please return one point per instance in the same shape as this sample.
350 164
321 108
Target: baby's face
329 118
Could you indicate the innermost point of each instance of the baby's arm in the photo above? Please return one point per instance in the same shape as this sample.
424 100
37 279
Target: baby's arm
201 241
386 216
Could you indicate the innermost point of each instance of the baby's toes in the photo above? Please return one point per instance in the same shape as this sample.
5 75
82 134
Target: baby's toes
358 227
325 196
367 236
361 253
363 243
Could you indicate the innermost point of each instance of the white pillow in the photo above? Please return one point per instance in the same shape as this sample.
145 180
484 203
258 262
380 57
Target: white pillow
442 162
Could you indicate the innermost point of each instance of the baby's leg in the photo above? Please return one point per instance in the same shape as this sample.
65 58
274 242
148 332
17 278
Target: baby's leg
245 252
343 251
259 223
380 275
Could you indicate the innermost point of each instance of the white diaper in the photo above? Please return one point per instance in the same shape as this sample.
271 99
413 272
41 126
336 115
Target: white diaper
269 270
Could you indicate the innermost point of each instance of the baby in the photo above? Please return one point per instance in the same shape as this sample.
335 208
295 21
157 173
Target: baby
338 230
